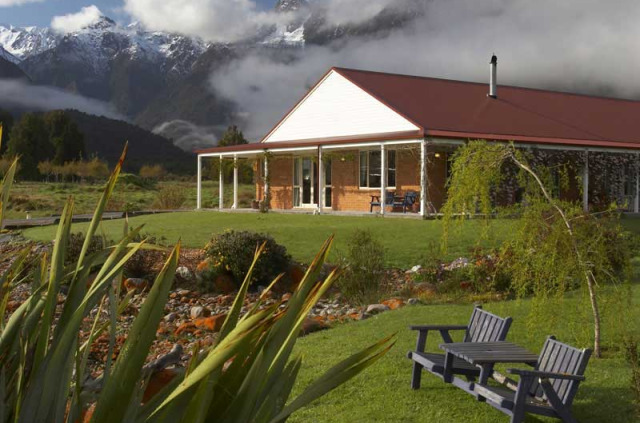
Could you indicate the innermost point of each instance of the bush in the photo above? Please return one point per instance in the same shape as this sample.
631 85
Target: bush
170 198
75 243
129 179
233 252
363 279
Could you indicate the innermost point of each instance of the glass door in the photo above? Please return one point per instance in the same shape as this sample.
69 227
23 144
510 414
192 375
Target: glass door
303 182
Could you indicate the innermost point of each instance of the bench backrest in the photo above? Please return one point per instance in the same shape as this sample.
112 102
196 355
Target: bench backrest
557 357
486 327
410 197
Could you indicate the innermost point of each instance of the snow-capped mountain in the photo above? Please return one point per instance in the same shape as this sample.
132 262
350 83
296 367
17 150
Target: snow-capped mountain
25 42
153 77
123 65
4 54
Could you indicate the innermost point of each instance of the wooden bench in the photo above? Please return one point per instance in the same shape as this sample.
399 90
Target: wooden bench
483 327
547 390
375 200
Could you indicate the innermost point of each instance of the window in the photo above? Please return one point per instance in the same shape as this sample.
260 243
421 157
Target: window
370 176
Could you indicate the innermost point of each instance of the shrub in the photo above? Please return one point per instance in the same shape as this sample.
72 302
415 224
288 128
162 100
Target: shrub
233 252
152 172
77 240
246 375
363 265
171 197
135 180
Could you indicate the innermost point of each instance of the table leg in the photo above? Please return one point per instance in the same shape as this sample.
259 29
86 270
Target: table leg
447 375
486 370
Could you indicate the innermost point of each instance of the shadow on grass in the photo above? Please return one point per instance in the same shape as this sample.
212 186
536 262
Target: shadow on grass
598 404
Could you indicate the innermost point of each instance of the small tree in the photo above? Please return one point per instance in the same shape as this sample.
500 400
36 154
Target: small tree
557 244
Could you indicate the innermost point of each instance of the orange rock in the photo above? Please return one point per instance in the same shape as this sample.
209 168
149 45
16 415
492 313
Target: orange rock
158 381
185 327
203 265
224 283
393 303
213 323
286 297
136 284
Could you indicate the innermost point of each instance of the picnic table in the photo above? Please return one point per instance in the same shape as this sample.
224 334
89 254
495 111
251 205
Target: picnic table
484 355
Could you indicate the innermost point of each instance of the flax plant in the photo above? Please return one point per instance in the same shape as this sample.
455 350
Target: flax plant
246 376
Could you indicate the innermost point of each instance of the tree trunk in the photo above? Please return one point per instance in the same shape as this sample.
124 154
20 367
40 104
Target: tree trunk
588 275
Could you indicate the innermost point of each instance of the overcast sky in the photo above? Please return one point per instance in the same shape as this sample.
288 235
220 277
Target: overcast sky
40 13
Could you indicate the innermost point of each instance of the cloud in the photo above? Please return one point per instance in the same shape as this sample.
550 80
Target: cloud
576 45
9 3
341 12
17 93
213 20
236 20
186 135
76 21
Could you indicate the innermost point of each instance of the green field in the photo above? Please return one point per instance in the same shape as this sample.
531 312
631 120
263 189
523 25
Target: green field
407 241
383 394
47 199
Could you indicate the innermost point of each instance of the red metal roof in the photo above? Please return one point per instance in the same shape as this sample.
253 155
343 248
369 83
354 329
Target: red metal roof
458 109
447 106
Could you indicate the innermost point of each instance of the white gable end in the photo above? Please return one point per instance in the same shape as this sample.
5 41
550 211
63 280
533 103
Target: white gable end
338 108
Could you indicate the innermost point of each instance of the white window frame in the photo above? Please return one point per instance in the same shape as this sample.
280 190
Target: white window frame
395 168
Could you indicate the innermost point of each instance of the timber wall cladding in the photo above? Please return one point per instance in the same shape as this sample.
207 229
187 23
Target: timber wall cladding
347 194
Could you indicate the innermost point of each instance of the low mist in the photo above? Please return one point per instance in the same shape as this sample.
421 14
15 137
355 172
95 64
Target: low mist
583 46
21 94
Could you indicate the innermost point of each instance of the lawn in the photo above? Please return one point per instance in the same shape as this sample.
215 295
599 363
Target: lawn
383 394
406 241
46 199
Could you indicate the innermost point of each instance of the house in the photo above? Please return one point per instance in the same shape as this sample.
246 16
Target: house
358 135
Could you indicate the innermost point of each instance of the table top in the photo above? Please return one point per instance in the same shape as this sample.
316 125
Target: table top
490 352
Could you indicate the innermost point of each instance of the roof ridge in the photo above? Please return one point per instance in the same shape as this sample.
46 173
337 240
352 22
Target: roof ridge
459 81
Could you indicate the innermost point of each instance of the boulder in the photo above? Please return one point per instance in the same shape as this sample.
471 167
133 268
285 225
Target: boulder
199 311
313 325
213 323
135 284
184 273
393 303
377 308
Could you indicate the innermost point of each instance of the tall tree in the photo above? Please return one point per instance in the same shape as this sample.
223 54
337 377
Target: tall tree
6 120
65 136
232 136
30 140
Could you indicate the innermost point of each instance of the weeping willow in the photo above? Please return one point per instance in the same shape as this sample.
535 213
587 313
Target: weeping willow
556 247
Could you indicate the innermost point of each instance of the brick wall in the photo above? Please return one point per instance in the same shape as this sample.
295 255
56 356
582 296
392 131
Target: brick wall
346 193
281 176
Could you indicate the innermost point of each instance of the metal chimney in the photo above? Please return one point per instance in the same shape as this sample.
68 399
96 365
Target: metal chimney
493 81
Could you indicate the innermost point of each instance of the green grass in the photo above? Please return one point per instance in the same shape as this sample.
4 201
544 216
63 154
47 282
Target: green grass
383 394
47 199
406 241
